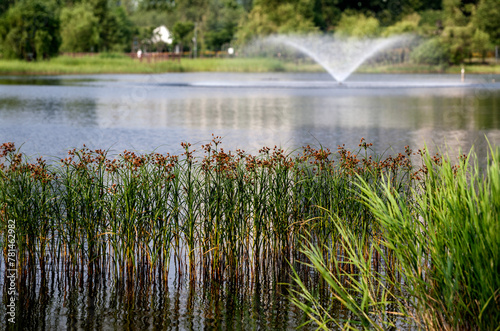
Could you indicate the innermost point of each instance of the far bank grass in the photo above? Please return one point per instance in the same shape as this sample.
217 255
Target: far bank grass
409 68
118 64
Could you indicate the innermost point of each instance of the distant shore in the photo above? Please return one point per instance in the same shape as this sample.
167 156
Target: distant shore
117 64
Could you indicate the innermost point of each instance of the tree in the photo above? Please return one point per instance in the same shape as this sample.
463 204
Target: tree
246 4
119 30
274 16
487 18
326 14
459 39
431 22
30 29
79 29
221 24
458 12
114 27
157 4
353 24
183 33
5 4
191 10
481 42
432 51
407 25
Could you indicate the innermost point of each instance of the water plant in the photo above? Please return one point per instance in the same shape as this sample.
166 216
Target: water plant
359 221
220 209
439 247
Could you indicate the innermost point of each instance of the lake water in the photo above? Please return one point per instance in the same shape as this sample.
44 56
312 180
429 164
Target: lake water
49 115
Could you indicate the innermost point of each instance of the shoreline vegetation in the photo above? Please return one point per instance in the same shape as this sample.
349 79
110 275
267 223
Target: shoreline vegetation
402 240
120 64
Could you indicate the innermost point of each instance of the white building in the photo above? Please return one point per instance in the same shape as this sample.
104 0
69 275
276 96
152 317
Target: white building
161 33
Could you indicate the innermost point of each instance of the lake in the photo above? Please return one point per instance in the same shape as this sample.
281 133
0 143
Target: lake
49 115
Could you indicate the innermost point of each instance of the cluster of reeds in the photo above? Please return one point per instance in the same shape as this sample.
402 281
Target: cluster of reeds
384 239
213 214
434 262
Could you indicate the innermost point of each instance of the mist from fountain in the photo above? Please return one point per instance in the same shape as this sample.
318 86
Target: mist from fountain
339 56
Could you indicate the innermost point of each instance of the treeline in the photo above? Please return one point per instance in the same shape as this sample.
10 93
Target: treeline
39 29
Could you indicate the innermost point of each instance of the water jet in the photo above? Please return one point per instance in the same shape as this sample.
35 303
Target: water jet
340 56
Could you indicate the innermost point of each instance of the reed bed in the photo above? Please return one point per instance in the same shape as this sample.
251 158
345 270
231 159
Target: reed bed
217 212
354 225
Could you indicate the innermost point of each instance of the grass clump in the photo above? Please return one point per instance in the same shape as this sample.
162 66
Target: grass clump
434 261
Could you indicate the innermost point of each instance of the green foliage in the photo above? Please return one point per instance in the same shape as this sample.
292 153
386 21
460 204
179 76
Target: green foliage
112 63
214 40
457 12
432 51
409 24
447 243
29 29
293 16
183 33
115 28
151 19
437 247
160 5
357 25
100 8
226 208
79 29
5 4
459 39
487 18
221 24
190 10
481 42
119 30
431 22
326 14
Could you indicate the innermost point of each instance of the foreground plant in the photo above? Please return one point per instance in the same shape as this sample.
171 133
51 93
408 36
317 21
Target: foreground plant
212 214
439 249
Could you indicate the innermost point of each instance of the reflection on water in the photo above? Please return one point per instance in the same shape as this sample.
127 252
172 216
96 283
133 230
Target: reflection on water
50 116
138 112
41 80
67 297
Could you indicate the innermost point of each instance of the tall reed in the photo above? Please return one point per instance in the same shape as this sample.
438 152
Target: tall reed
439 247
214 211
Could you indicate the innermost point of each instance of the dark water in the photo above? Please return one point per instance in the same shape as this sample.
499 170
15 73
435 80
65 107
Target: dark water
48 116
82 303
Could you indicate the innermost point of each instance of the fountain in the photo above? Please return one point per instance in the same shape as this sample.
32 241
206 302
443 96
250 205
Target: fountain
339 56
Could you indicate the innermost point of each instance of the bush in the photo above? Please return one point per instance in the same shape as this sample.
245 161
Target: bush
432 51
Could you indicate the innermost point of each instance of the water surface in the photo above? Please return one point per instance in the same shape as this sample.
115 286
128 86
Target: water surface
146 112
